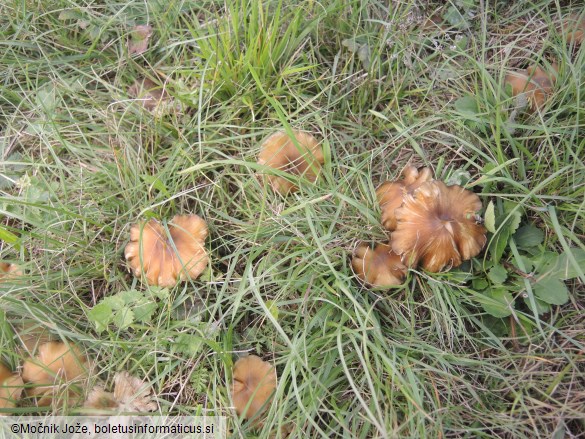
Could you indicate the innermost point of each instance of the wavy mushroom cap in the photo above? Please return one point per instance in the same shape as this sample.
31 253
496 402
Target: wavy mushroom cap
535 82
11 387
55 364
380 267
391 193
437 227
279 151
165 259
254 382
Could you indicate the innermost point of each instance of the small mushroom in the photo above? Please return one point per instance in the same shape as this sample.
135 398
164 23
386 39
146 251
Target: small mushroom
438 227
11 386
166 259
303 157
9 271
380 267
254 382
391 193
574 26
536 84
56 364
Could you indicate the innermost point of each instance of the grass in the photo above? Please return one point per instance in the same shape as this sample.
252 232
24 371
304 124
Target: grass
83 160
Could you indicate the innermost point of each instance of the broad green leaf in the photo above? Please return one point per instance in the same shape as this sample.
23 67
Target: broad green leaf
114 302
498 303
564 269
507 223
498 274
161 293
541 307
273 308
490 217
143 311
131 296
528 236
467 105
123 318
188 344
101 316
551 290
479 284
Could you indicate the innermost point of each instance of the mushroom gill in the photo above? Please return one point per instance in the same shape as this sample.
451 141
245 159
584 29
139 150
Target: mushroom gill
303 158
254 382
165 259
56 364
437 227
391 193
380 267
11 386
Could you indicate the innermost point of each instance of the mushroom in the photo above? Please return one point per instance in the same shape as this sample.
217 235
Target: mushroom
574 26
9 271
11 386
56 364
254 382
391 193
536 83
130 395
166 259
438 227
302 157
380 267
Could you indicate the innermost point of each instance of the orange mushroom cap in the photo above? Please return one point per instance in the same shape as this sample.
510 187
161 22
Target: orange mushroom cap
536 83
9 271
165 260
279 151
11 387
437 227
56 363
380 267
391 193
254 382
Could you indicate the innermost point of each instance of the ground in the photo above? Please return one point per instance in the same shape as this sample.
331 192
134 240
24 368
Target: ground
495 348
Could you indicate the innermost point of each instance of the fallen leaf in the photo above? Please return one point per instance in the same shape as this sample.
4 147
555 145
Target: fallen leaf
139 39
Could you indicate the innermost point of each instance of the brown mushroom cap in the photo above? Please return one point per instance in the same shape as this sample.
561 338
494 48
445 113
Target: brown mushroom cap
380 267
9 271
536 83
574 26
280 152
437 227
254 382
151 251
391 193
11 387
56 363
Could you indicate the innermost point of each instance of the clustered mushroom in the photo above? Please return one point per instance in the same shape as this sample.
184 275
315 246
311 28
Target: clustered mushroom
254 381
431 224
164 258
300 156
